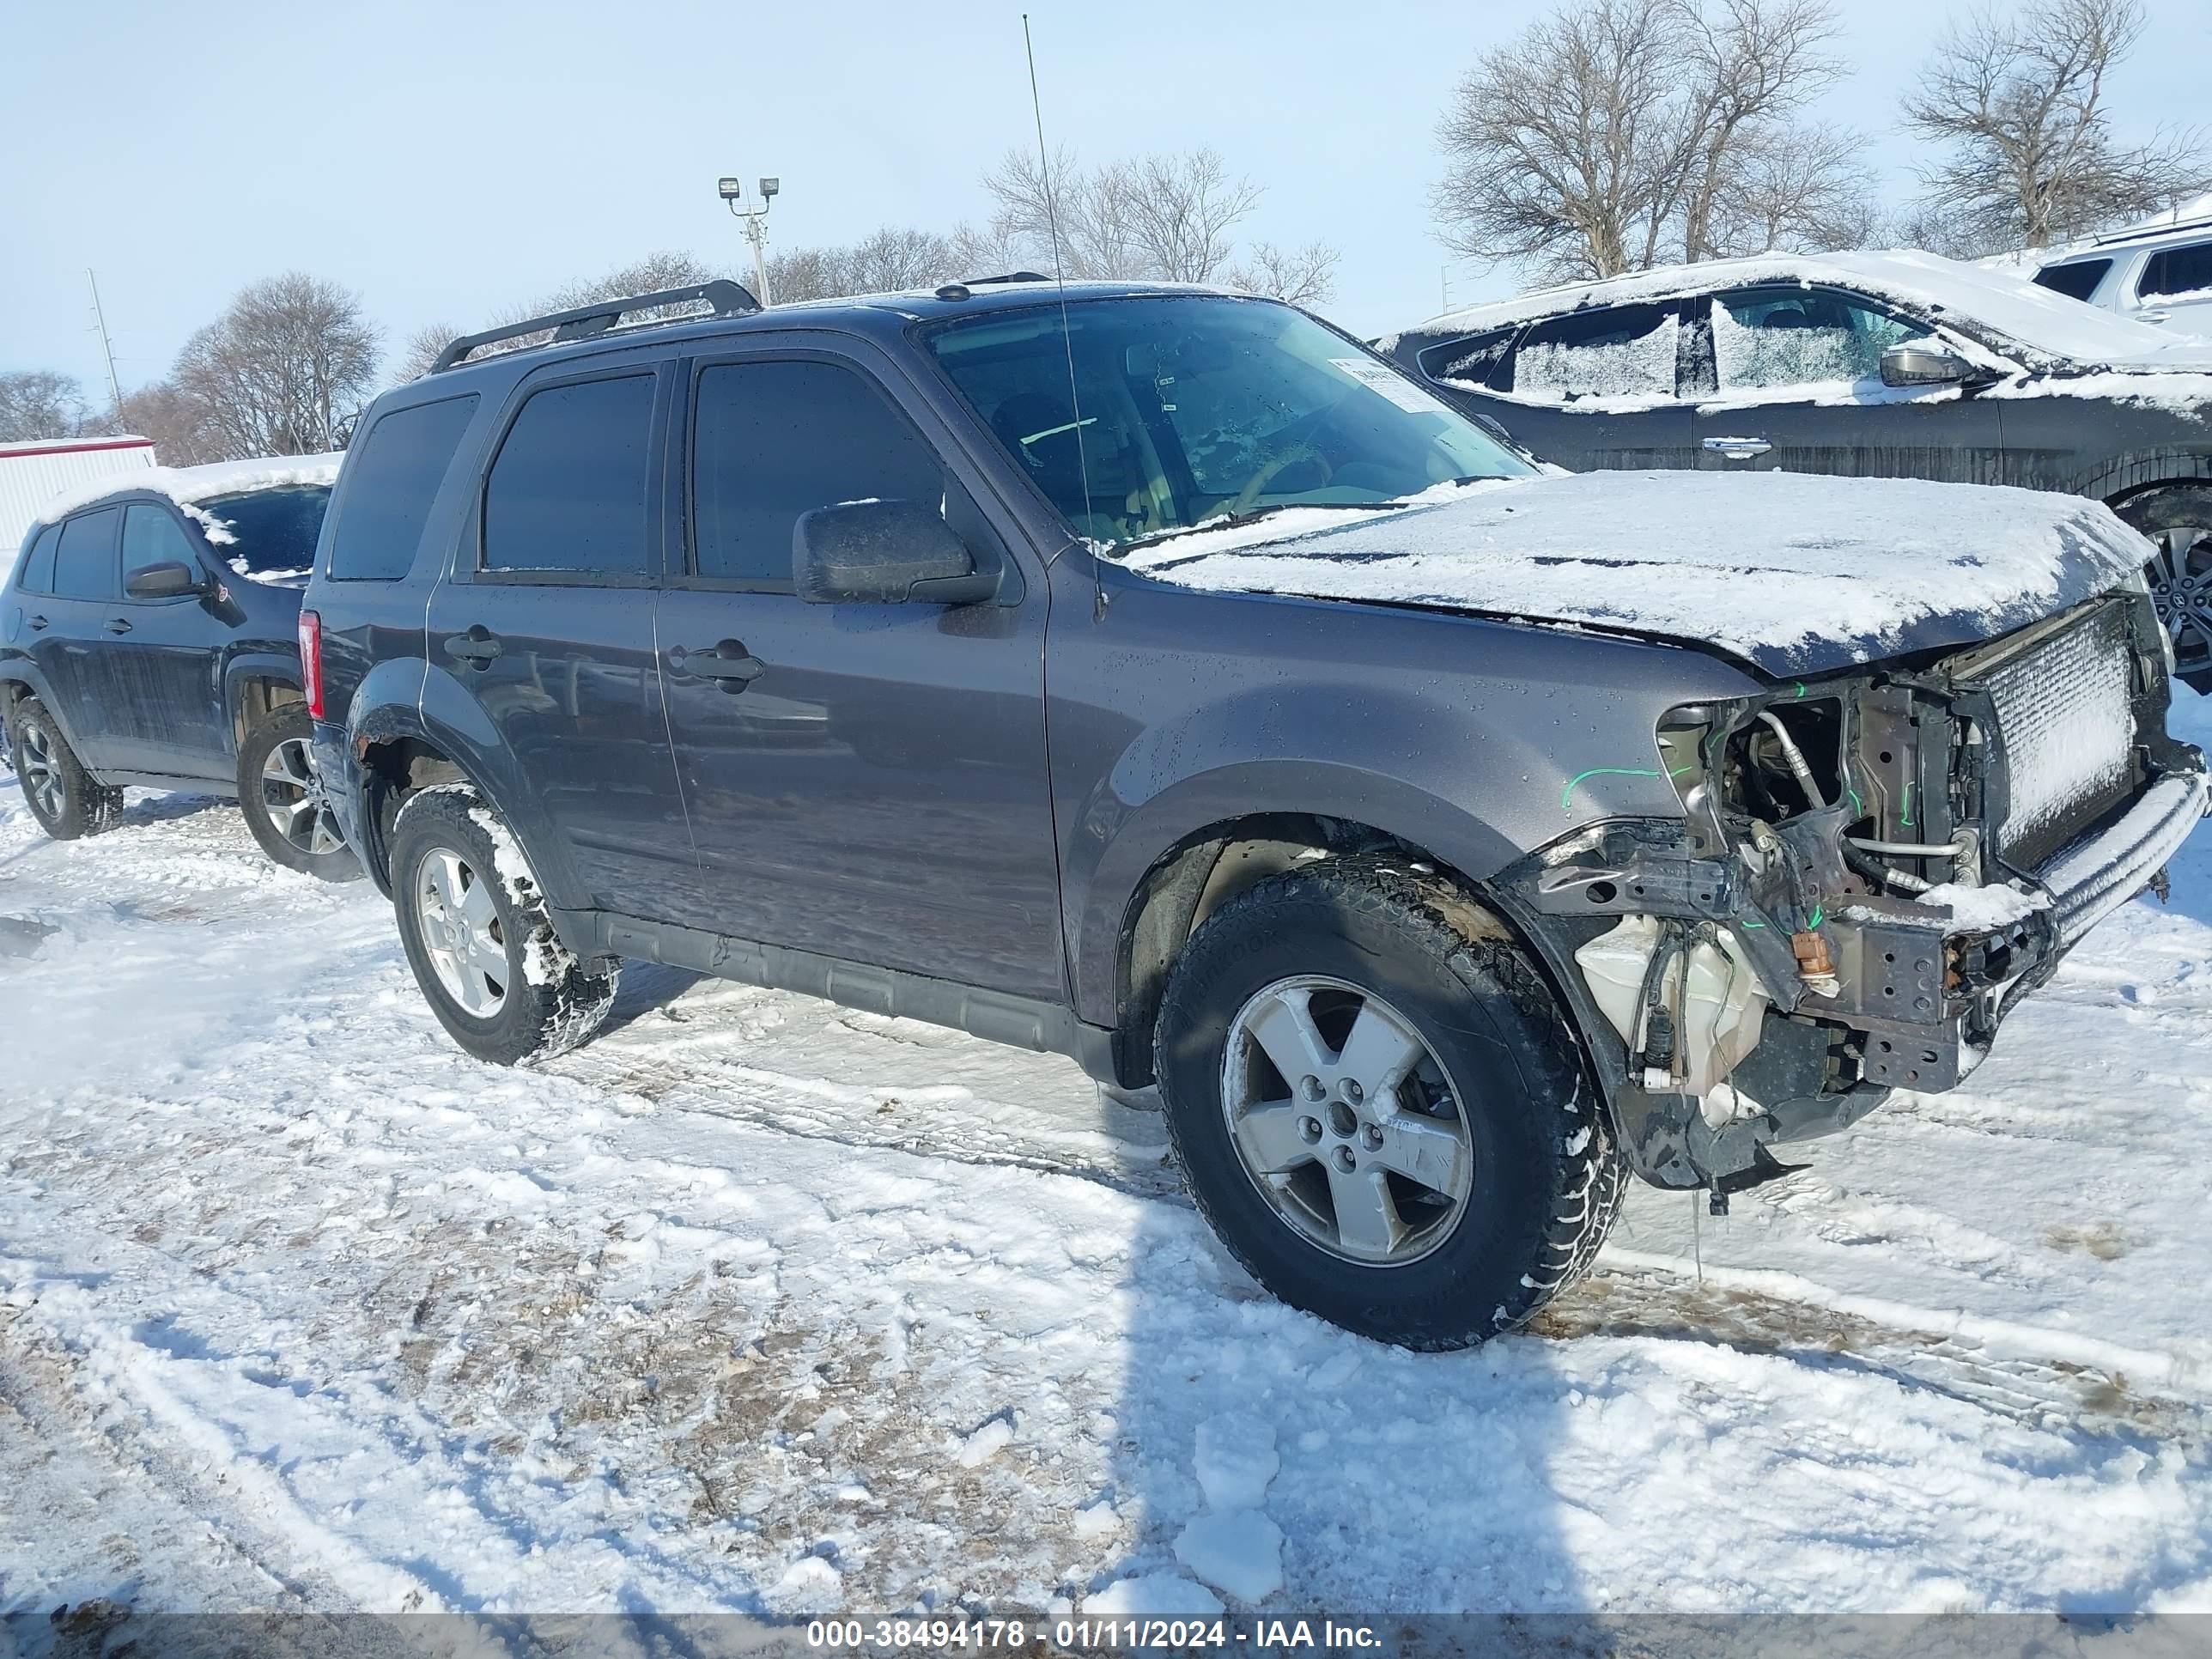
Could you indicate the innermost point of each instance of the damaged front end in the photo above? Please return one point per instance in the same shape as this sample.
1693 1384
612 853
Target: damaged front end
1870 872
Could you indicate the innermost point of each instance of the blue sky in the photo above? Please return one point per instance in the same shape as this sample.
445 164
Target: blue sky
444 160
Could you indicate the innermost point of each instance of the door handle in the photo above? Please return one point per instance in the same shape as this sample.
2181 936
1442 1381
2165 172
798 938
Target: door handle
729 662
118 624
2155 316
36 621
477 647
1738 449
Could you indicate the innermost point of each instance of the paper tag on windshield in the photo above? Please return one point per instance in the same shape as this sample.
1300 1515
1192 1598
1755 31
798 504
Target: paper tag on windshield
1392 384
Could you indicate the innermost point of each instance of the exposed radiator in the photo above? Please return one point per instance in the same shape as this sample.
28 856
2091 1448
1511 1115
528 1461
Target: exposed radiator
2069 729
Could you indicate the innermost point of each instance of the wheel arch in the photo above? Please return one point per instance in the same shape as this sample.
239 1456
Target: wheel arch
255 686
1208 866
2122 476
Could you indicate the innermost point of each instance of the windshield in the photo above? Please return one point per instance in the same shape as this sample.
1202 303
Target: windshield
267 532
1198 407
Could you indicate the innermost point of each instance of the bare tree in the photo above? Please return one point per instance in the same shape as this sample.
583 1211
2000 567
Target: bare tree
1615 134
1752 63
1798 187
1165 218
183 431
284 370
40 403
420 349
2019 105
1303 276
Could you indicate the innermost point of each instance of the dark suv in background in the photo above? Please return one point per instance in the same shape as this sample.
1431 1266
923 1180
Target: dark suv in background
1897 365
148 635
1160 678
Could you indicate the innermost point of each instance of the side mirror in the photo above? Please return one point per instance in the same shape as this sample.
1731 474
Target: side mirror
1923 362
170 580
884 553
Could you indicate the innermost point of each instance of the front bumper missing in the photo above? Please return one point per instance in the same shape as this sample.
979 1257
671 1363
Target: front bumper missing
1920 990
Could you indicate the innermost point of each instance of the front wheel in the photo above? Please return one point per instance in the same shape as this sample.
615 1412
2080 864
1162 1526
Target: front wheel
2179 520
478 936
281 796
1380 1109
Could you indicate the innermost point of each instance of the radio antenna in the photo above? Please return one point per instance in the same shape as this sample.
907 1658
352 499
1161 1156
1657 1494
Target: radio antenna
1066 336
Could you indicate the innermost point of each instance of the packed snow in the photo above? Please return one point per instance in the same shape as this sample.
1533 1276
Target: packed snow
1793 572
190 486
758 1304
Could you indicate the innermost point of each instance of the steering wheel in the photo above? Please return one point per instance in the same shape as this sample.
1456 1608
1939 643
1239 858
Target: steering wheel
1272 468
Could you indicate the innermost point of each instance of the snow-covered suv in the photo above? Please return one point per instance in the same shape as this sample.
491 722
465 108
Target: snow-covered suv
148 635
1160 678
2153 273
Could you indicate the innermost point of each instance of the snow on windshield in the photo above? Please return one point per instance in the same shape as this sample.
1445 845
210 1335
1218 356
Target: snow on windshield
1642 366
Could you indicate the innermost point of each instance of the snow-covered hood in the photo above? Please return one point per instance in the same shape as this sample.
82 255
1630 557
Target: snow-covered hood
1794 574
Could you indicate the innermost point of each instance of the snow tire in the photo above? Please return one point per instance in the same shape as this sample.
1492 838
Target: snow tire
1548 1179
67 801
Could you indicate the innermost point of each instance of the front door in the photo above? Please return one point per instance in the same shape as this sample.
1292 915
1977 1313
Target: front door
1797 388
876 792
166 710
549 635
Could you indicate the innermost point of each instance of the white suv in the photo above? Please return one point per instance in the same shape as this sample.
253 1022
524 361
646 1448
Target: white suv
2157 273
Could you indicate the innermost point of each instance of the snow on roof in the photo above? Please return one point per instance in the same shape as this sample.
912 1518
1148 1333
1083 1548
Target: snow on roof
1795 573
2047 324
189 486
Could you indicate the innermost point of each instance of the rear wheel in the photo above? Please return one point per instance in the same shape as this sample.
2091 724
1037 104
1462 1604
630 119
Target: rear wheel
1380 1109
2179 520
67 801
478 936
281 797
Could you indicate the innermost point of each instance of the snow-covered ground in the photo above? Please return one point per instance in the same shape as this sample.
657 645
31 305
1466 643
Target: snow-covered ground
762 1305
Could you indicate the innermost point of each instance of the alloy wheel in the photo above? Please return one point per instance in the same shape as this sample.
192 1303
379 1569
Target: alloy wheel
2181 588
1346 1120
42 772
461 932
292 795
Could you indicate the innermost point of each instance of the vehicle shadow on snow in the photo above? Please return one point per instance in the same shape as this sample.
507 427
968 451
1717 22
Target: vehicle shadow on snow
645 987
1264 1463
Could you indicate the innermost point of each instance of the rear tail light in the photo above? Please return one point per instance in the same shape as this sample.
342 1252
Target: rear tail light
311 662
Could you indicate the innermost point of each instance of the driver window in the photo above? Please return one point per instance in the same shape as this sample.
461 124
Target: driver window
774 439
1800 336
151 537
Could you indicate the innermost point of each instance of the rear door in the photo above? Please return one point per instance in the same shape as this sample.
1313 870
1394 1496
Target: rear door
546 625
1796 386
165 705
70 634
1598 389
877 793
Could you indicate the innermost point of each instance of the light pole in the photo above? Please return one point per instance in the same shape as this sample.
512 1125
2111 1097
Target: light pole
732 191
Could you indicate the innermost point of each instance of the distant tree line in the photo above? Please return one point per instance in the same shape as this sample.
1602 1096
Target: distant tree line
1611 136
292 360
1616 135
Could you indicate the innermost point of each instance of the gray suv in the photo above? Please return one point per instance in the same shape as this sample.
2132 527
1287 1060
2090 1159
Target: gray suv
1162 679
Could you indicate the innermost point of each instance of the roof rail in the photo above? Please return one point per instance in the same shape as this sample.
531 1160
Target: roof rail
2147 233
728 299
1010 276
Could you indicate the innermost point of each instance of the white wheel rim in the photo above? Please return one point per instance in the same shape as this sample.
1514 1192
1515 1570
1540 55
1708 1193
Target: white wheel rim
461 932
1346 1121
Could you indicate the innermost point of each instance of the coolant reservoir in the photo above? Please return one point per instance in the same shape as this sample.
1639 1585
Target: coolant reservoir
1717 1017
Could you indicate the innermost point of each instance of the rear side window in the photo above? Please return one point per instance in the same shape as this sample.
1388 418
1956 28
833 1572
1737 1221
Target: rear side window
389 487
569 491
2077 281
2177 270
151 535
270 533
84 563
1621 351
1482 360
773 439
38 567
